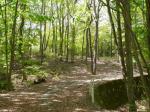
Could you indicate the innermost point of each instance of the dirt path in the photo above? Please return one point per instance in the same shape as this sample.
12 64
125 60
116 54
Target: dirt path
69 93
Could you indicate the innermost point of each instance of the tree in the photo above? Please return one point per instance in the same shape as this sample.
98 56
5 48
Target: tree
128 45
96 12
12 44
148 23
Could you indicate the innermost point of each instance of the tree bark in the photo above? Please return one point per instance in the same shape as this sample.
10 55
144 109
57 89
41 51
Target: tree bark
6 43
112 22
129 65
148 23
12 44
120 44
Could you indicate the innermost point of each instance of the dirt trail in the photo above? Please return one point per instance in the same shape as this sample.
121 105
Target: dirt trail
69 93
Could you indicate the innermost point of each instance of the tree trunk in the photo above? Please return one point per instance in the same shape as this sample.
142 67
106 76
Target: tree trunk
41 36
12 44
6 44
21 40
148 23
83 39
95 47
73 41
90 46
129 65
87 46
112 22
67 46
96 13
120 44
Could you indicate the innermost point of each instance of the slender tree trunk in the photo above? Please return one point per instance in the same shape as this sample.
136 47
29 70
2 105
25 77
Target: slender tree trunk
145 86
56 35
111 43
120 44
88 22
95 47
30 46
73 41
148 23
129 65
41 36
6 43
90 46
12 44
142 56
112 22
87 46
67 46
61 31
21 40
53 29
96 12
41 44
83 39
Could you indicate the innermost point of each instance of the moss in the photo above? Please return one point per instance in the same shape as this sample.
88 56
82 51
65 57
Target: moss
113 94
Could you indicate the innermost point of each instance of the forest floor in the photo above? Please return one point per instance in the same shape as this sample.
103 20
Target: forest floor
67 92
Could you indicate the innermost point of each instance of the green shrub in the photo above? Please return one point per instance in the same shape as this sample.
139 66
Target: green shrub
31 62
38 74
3 85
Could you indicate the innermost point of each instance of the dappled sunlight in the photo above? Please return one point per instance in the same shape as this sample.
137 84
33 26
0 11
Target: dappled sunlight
80 110
7 110
59 101
15 100
28 93
79 70
55 53
44 104
19 103
67 93
3 95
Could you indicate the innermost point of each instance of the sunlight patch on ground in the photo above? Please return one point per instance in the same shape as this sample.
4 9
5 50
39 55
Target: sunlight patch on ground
59 101
30 98
15 100
6 110
19 103
28 93
3 95
46 95
100 62
7 97
44 104
79 70
86 81
43 98
80 110
66 87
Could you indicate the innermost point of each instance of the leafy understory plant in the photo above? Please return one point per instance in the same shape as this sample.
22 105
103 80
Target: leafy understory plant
35 74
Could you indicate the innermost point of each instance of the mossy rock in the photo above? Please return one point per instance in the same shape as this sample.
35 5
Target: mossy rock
113 94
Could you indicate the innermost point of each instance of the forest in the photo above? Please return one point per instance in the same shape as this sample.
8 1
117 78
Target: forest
74 55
